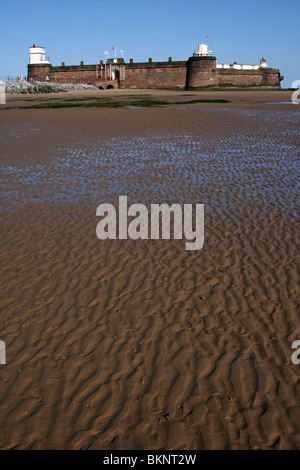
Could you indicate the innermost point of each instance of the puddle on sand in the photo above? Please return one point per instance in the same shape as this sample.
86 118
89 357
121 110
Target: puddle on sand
221 167
134 107
280 102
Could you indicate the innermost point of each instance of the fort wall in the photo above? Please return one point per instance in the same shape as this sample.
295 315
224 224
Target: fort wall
196 73
248 78
39 72
201 72
156 75
73 74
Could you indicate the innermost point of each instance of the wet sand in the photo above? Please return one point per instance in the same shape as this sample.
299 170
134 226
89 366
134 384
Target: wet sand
237 99
123 344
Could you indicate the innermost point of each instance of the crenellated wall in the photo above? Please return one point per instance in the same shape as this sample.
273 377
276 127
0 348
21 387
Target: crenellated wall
196 73
156 75
73 74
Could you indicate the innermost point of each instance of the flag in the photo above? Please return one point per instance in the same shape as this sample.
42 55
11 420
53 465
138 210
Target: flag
113 47
105 52
121 51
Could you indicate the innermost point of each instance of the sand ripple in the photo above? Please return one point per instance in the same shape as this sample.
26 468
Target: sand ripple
141 344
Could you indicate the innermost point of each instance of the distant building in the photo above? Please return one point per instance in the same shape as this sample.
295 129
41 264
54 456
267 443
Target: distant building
202 70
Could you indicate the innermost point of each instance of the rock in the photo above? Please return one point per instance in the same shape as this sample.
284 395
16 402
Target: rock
42 87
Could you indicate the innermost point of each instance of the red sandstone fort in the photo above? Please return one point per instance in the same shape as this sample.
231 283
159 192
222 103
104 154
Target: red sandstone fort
202 70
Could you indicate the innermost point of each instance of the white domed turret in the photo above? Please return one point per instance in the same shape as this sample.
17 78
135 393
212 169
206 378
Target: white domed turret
202 51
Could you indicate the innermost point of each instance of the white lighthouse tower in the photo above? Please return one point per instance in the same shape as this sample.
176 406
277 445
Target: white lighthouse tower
37 55
263 63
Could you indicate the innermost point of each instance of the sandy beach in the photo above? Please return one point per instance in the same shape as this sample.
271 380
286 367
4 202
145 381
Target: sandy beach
140 344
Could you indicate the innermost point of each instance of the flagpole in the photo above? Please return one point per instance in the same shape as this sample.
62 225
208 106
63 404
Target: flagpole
106 53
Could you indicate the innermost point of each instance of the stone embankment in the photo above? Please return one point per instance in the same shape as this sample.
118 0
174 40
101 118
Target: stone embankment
41 87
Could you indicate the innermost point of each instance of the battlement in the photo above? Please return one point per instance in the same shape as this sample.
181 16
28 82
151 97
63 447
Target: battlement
201 70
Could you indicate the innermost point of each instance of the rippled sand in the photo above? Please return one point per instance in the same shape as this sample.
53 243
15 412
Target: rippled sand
142 344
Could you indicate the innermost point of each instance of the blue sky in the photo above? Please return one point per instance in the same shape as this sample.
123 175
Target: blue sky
72 30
